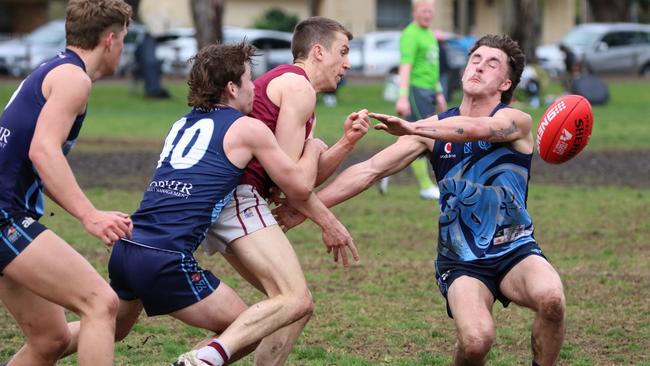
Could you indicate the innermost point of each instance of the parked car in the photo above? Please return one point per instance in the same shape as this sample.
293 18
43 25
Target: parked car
602 48
19 56
179 45
377 54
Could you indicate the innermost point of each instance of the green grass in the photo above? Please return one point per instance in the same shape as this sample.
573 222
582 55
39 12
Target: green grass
118 111
387 310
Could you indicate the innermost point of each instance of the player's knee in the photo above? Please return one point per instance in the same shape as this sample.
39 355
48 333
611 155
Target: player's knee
50 345
302 305
552 305
476 344
102 303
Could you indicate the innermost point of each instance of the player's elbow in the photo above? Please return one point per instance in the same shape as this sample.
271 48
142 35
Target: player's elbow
300 191
39 154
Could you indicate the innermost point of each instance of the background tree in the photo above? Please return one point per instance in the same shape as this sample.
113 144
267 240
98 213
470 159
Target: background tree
525 26
208 21
276 19
610 11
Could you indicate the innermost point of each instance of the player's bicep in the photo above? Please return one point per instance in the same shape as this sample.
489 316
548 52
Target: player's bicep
280 167
509 125
297 106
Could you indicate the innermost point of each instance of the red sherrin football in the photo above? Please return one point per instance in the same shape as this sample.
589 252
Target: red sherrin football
564 129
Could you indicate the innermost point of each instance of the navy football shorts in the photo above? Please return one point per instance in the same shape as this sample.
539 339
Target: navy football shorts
164 280
16 233
489 271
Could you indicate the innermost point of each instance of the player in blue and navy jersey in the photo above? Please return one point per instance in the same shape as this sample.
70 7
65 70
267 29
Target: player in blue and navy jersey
481 154
40 274
201 164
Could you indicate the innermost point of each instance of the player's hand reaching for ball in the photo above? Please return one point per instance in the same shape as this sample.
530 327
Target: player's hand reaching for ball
356 126
108 226
393 125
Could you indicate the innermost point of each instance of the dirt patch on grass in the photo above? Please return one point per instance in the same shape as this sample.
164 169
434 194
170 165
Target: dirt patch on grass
131 168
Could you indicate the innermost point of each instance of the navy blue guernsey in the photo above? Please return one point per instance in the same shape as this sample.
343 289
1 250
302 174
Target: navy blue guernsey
20 186
483 193
192 183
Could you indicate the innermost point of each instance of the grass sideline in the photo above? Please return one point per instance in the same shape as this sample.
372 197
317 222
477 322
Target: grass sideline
117 111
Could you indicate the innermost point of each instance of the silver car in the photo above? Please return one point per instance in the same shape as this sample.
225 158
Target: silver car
19 56
274 48
603 48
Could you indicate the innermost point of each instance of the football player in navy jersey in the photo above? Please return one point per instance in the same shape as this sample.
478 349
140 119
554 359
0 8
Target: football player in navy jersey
201 164
481 154
40 274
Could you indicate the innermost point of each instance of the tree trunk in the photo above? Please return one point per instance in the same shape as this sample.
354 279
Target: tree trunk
313 5
525 29
134 6
208 21
610 11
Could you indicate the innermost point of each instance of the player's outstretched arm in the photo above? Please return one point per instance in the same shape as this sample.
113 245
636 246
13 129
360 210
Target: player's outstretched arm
354 128
359 177
66 90
507 125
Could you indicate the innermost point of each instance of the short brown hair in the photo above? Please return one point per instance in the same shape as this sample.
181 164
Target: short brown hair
86 20
213 67
315 30
516 59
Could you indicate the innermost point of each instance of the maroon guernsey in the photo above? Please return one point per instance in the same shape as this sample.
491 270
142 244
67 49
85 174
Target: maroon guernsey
267 112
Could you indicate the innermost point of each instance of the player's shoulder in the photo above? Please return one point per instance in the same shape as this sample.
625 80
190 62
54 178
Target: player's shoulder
294 87
69 76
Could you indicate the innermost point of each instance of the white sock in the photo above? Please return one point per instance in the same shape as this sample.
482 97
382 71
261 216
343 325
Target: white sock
215 353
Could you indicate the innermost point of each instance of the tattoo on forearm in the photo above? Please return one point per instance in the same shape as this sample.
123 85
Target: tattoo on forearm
503 132
460 131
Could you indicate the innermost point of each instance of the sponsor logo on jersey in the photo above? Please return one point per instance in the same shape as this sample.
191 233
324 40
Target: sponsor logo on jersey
484 145
12 234
4 136
171 187
448 154
27 222
467 148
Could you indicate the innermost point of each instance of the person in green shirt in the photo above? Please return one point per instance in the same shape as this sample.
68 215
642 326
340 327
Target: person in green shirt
419 83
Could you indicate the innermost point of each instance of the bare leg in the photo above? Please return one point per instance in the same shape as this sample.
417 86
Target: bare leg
275 348
73 283
268 255
535 284
127 315
470 302
42 323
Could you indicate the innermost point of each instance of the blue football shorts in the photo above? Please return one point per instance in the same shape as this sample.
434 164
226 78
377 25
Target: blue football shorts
489 271
164 280
16 233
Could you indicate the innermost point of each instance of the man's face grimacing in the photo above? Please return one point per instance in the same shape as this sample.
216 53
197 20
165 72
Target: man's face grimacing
486 72
335 61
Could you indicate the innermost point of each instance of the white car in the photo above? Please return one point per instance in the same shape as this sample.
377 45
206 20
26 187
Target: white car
19 56
603 48
375 54
274 48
